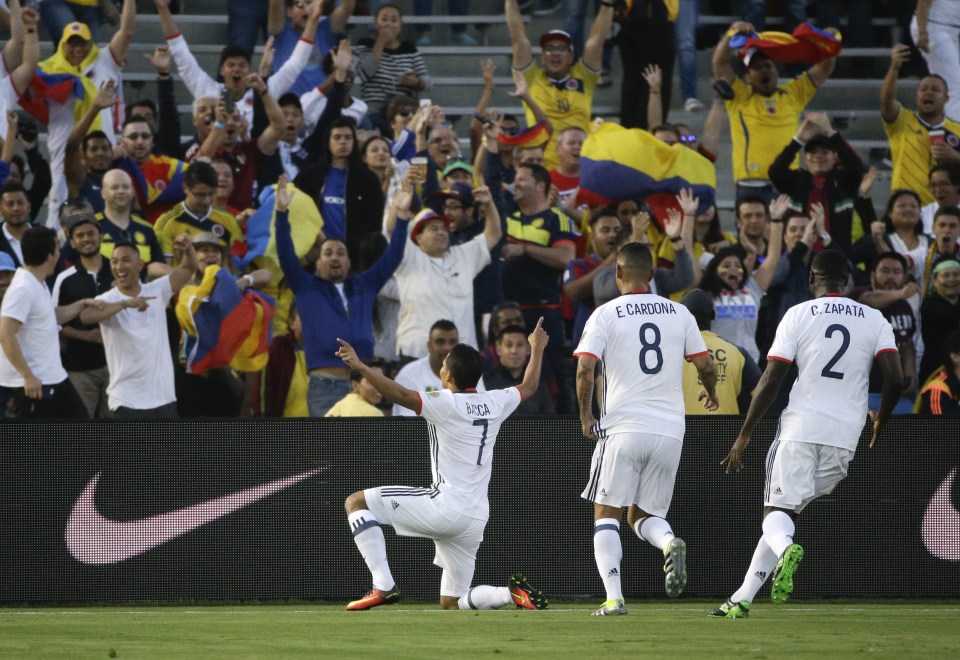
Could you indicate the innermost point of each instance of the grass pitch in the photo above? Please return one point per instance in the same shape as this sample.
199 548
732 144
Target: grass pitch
420 630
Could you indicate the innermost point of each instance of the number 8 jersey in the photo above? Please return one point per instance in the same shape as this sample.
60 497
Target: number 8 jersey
833 340
641 341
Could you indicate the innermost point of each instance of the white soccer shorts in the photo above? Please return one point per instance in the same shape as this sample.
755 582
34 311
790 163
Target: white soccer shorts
413 511
634 468
800 472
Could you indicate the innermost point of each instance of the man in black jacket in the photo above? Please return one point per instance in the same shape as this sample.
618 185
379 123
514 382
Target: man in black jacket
832 177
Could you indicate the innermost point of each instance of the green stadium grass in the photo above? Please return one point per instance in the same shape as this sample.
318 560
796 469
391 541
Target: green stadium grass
420 630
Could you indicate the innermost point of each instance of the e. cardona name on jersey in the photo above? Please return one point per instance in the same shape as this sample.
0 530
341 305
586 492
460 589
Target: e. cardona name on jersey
629 308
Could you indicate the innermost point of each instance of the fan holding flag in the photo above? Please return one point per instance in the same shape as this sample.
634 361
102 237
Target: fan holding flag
765 114
66 84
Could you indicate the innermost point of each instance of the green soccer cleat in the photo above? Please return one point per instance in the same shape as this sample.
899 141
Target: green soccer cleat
783 574
525 595
731 610
675 567
612 607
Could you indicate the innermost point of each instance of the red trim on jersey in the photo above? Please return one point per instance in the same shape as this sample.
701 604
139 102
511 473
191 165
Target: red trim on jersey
690 357
575 354
308 41
834 295
420 407
564 241
779 359
471 389
887 350
173 36
520 391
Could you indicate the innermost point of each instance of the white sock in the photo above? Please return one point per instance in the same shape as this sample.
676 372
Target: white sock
763 562
608 551
485 597
369 539
654 530
778 531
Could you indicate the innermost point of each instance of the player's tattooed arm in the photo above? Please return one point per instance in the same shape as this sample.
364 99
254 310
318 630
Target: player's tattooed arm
585 382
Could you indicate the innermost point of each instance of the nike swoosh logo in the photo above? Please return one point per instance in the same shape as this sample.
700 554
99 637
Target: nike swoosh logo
941 523
93 539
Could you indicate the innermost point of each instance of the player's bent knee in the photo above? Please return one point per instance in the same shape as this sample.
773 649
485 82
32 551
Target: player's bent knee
355 502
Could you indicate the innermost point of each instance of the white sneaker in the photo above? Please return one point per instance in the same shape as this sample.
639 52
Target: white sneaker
693 105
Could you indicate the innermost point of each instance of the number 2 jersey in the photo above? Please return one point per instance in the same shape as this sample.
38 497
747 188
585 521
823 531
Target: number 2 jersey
641 341
834 341
463 428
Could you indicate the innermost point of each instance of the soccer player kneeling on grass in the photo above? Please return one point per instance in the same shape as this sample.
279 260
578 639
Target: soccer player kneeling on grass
834 342
454 510
640 432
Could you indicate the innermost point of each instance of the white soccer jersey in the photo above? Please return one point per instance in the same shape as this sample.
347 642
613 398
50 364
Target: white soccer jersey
641 341
463 429
833 340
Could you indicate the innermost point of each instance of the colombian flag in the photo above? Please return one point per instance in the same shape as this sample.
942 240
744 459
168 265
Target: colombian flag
618 163
224 328
305 225
535 136
806 44
158 181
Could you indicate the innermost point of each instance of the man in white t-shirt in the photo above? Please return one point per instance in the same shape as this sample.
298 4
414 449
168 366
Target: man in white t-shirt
436 280
453 511
641 341
423 375
30 366
834 342
133 323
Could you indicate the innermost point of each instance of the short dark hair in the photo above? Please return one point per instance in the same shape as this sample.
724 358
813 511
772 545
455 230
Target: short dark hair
951 168
465 366
12 188
126 244
511 330
388 5
946 87
894 196
604 212
831 266
636 258
946 210
540 175
495 316
751 199
142 103
891 256
396 103
289 99
137 119
37 244
443 324
233 51
790 214
89 137
200 172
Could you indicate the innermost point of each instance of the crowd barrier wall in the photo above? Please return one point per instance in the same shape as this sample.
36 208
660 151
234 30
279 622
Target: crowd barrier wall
253 510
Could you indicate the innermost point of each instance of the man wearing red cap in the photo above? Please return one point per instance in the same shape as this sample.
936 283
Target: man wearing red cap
436 280
561 85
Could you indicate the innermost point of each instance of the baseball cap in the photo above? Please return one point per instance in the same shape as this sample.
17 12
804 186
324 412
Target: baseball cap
421 219
556 35
455 165
818 140
207 238
6 262
458 191
79 217
698 302
77 30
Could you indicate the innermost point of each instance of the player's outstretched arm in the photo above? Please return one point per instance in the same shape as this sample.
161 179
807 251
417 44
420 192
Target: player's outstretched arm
390 389
763 397
708 376
892 390
531 377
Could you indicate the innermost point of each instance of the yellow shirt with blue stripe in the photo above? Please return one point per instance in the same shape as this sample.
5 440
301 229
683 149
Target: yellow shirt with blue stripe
761 126
909 138
566 102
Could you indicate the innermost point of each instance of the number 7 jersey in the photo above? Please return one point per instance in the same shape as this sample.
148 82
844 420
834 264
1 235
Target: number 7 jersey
834 341
641 341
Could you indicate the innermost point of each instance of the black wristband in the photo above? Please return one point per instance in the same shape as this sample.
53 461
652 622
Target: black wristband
779 221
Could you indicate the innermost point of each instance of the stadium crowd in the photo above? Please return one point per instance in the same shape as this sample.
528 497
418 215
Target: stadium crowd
321 197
